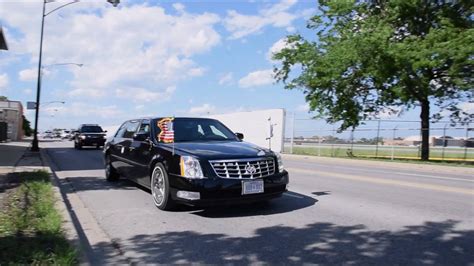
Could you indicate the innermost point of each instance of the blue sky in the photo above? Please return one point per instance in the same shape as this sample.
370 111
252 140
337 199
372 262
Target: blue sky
150 58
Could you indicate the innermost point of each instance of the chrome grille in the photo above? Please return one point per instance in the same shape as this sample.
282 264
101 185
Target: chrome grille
244 168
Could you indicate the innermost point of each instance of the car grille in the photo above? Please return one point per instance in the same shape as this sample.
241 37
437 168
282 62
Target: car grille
244 168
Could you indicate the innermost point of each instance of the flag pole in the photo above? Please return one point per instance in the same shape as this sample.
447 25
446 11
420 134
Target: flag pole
172 123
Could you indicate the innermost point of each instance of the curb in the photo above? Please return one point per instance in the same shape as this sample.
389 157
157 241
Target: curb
70 231
81 227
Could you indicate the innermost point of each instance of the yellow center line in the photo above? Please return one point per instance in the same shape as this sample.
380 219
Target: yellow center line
385 181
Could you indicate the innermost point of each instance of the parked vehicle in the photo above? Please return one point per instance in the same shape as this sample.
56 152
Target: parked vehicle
89 135
193 161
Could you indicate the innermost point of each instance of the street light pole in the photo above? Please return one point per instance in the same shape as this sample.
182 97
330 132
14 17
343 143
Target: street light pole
34 144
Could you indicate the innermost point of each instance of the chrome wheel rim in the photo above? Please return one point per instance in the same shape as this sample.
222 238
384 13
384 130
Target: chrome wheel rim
158 186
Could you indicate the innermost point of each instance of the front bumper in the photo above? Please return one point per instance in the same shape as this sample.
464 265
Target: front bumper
217 191
92 142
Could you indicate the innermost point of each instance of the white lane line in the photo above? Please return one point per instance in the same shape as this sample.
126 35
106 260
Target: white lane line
400 173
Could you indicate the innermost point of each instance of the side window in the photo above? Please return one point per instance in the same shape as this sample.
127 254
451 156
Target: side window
130 129
121 130
144 127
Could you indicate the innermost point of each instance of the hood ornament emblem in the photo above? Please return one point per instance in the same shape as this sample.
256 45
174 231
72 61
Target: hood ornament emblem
261 153
250 169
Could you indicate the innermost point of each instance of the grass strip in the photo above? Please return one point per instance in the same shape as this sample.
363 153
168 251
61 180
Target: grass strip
31 227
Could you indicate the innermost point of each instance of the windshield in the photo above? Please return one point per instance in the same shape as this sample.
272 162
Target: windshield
91 129
199 129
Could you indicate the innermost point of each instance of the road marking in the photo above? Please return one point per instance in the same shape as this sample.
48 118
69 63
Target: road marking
403 173
386 181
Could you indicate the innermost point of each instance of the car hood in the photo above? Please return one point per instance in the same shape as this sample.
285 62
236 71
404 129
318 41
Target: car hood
221 149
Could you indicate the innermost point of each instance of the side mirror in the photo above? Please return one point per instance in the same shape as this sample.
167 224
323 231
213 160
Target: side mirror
105 131
140 136
240 136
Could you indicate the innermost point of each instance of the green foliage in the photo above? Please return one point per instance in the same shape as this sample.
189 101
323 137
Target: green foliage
30 225
3 98
27 127
370 56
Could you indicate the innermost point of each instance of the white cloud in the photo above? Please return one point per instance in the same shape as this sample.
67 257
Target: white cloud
257 78
79 109
303 108
276 15
226 79
201 110
179 7
28 91
31 74
277 47
196 72
467 107
144 95
3 80
290 29
134 45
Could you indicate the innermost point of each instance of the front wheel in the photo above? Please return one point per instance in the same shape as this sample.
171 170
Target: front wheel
110 172
160 188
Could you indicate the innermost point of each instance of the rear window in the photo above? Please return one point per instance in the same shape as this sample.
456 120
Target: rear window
91 129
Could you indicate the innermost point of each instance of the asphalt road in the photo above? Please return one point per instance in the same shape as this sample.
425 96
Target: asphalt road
337 212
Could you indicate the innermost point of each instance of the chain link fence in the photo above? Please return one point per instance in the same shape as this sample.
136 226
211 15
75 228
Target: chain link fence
390 139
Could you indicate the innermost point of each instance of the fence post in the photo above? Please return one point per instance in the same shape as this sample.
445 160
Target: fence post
465 142
292 132
332 141
319 141
419 144
377 140
444 142
352 141
393 143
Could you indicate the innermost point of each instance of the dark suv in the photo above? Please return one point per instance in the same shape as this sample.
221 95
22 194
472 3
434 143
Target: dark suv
193 161
89 135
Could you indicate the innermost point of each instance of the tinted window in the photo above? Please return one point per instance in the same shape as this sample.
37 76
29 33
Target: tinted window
145 127
91 129
121 130
199 129
130 129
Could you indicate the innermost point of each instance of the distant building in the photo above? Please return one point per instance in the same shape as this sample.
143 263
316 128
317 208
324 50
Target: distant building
3 40
11 114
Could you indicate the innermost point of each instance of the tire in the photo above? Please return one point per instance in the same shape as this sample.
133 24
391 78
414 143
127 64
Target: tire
111 174
160 189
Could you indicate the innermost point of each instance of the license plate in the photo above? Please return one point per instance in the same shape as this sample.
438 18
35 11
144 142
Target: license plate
252 187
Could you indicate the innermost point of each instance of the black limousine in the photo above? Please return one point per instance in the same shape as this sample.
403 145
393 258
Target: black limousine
193 161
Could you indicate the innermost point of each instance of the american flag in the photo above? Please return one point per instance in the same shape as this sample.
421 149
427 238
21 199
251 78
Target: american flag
167 133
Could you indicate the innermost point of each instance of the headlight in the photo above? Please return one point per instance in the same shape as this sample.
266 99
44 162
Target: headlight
82 137
190 167
280 163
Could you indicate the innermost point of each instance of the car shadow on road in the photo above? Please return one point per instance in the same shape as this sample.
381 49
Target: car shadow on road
81 183
321 193
288 202
434 243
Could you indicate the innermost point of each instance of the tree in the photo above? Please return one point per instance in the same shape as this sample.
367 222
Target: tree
27 127
3 98
372 56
